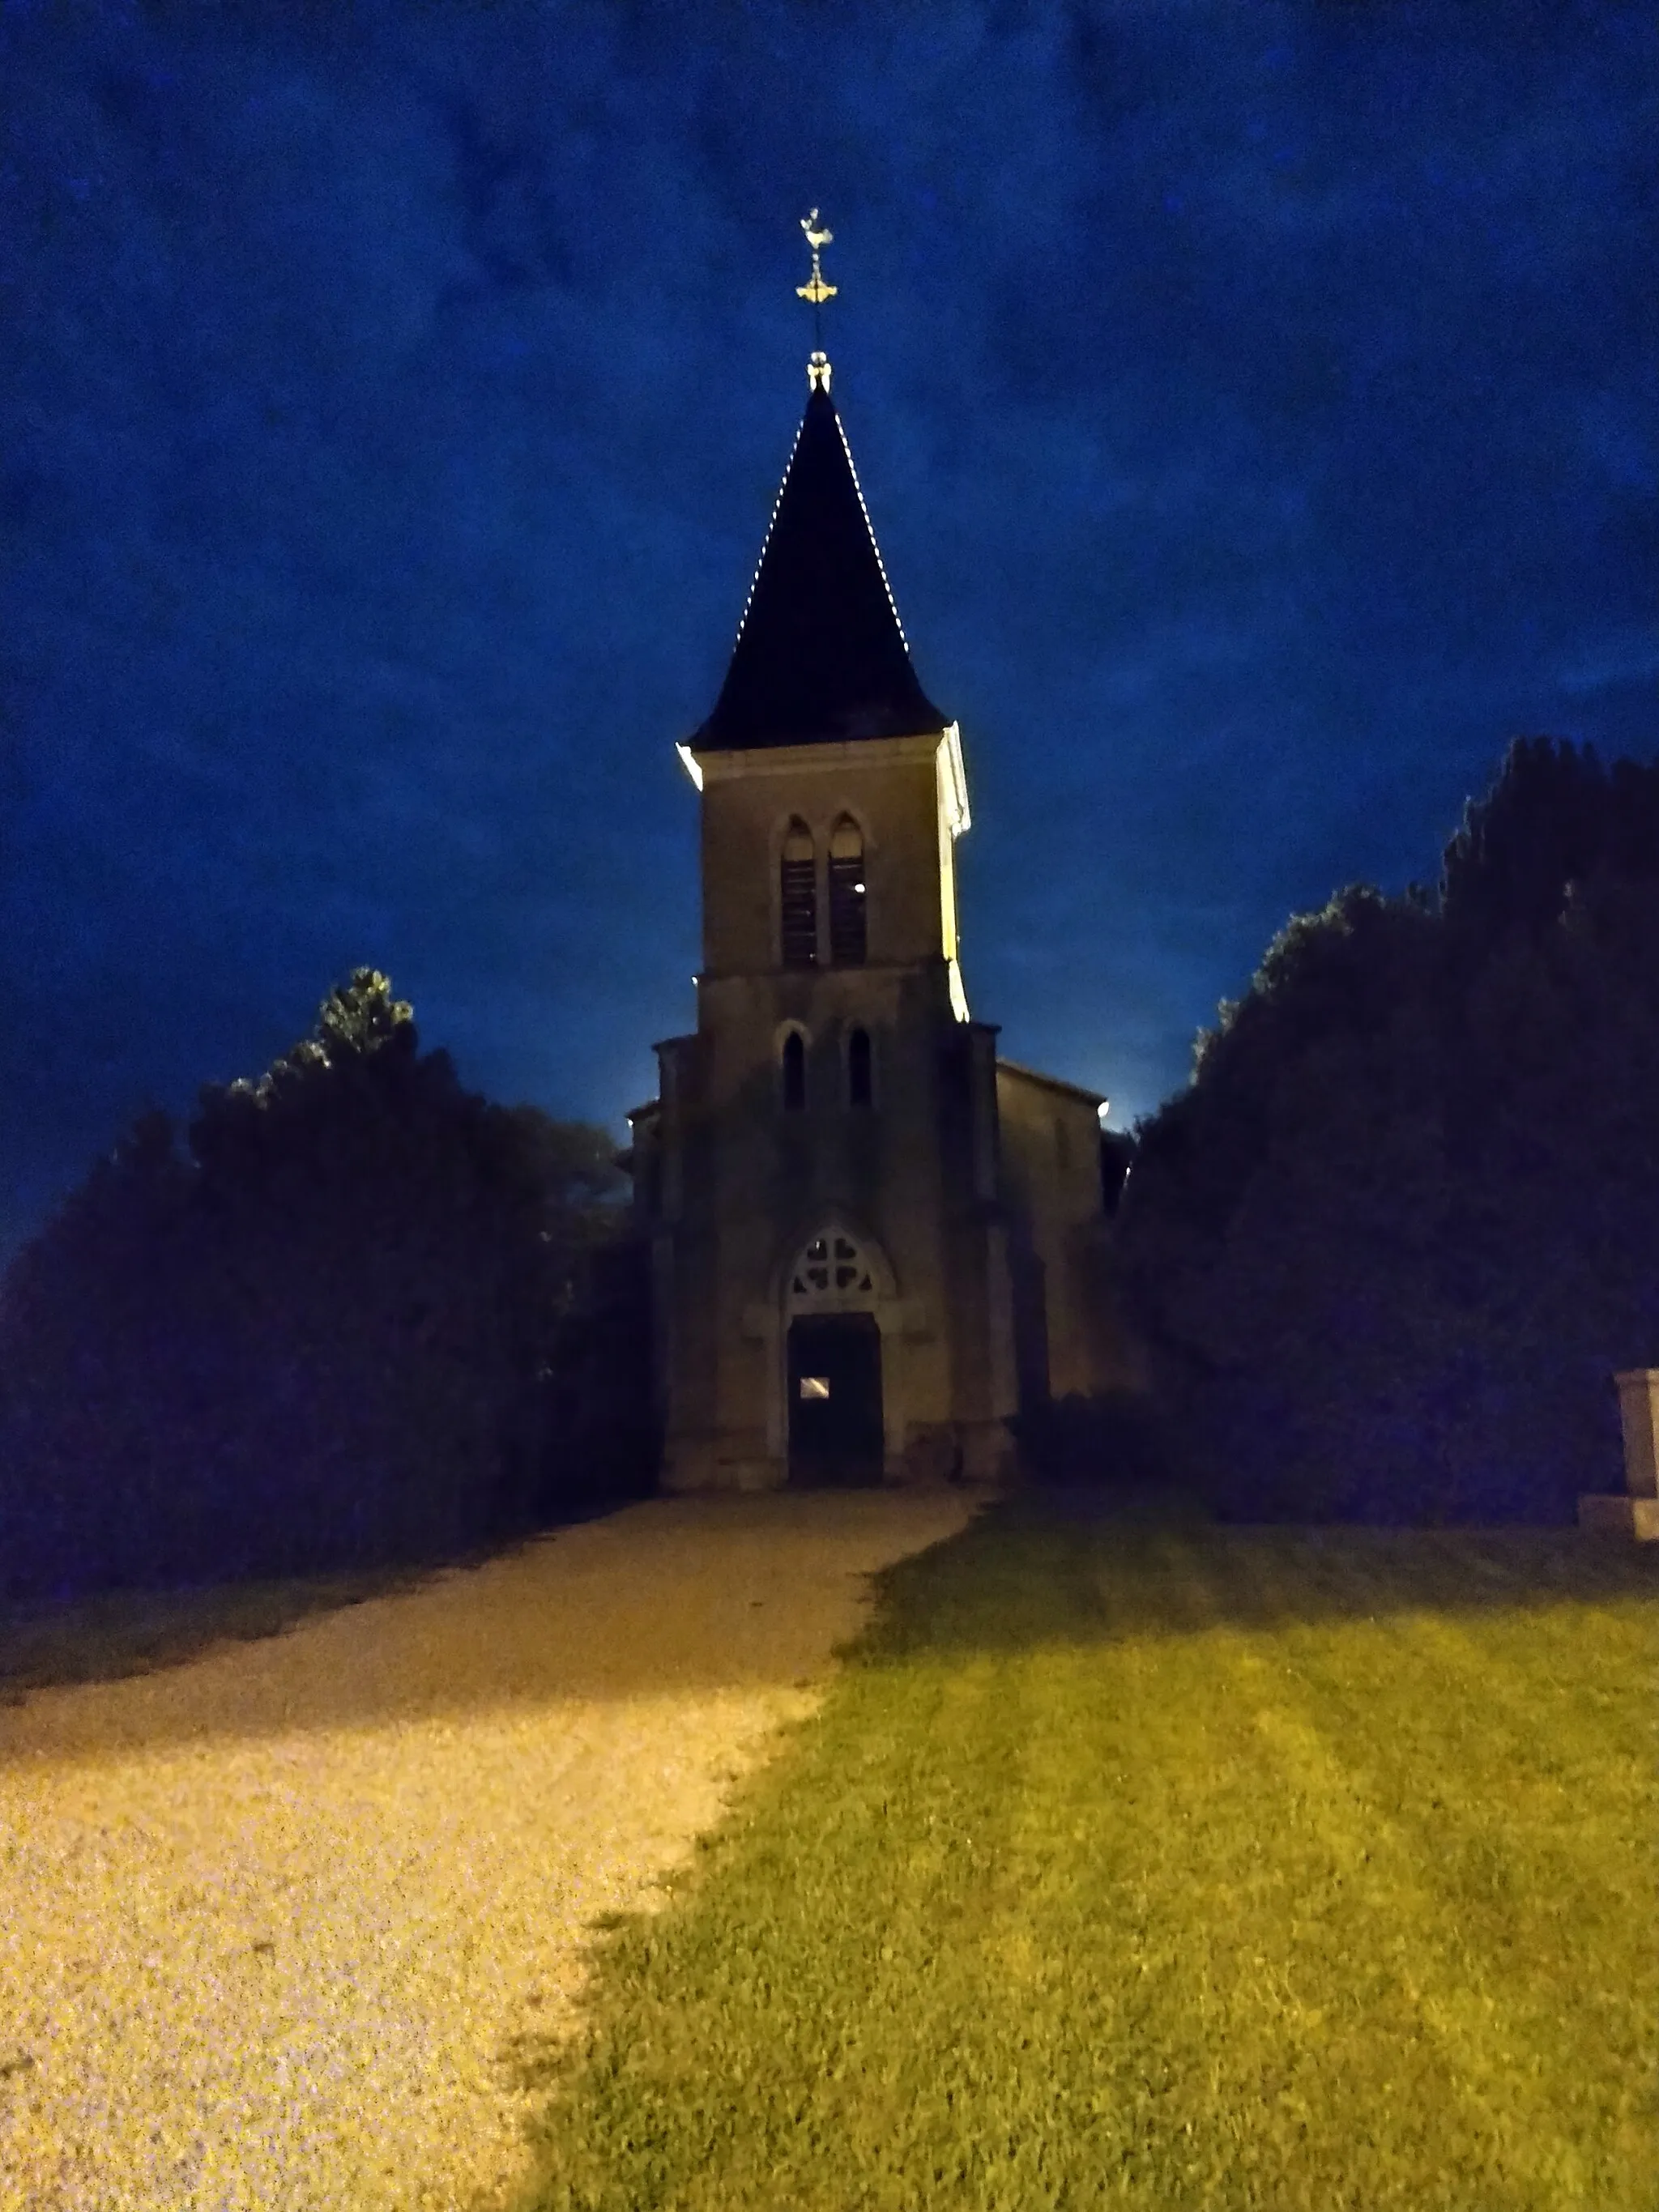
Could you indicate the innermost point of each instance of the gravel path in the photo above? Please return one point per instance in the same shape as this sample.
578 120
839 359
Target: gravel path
273 1924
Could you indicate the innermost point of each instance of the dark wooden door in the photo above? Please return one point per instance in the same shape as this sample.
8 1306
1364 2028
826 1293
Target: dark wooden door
834 1397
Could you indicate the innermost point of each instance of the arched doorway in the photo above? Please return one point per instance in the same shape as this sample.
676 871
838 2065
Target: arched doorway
833 1367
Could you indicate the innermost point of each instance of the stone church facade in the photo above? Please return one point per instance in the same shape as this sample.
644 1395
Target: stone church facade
871 1239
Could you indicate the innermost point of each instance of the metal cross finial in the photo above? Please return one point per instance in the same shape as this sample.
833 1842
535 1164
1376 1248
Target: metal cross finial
818 237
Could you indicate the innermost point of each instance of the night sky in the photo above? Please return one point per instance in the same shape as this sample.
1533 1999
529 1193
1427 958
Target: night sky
1257 408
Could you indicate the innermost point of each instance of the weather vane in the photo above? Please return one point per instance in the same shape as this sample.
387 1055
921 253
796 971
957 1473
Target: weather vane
816 290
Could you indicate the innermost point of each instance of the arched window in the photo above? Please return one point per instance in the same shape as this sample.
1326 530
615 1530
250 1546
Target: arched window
798 905
847 932
794 1071
858 1068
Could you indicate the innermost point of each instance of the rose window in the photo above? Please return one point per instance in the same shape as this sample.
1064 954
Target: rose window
830 1263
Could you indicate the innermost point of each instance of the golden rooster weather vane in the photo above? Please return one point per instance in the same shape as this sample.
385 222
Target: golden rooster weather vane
816 290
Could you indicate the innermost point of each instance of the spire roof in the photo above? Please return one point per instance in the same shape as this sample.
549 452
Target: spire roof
820 657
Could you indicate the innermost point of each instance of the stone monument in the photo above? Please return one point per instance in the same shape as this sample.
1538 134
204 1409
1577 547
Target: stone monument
1637 1512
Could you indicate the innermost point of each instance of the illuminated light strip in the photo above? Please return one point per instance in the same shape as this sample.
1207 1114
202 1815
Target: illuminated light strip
771 526
954 776
892 603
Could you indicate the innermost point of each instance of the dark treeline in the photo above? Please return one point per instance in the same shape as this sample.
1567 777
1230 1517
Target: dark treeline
353 1315
1384 1253
1389 1246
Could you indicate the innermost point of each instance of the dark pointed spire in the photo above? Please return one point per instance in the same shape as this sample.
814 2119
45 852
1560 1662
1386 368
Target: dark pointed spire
820 655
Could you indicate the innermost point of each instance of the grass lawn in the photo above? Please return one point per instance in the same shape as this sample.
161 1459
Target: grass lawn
1170 1866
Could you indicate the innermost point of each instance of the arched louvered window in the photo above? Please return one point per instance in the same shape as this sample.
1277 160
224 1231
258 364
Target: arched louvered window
858 1068
847 932
799 885
794 1071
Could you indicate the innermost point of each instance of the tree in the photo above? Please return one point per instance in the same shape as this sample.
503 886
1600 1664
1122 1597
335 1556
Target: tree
320 1333
1553 818
1388 1246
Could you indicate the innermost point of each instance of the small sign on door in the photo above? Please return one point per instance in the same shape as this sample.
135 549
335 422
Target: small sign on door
815 1386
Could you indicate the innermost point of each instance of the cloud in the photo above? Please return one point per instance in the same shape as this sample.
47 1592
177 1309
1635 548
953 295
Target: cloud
1626 657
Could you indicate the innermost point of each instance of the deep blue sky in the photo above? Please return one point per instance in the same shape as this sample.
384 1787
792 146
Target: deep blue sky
1257 406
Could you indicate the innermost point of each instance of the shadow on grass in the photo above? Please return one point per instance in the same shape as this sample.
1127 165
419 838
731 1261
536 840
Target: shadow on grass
1066 1566
1041 1568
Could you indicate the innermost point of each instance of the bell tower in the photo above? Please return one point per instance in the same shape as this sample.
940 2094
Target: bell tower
832 1288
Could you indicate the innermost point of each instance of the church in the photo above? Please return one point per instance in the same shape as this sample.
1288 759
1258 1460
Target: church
871 1239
